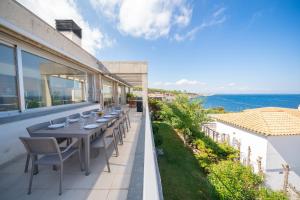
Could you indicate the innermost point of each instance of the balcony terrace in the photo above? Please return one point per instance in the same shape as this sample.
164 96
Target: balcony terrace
124 181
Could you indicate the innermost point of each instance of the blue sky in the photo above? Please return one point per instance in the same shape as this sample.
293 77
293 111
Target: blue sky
202 46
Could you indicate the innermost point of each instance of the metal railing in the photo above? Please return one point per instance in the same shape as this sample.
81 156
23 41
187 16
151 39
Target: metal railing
152 189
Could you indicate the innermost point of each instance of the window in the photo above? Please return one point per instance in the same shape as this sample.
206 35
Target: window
122 95
8 81
47 83
107 92
119 94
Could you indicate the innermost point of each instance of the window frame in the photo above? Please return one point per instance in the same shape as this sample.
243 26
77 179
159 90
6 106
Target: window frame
51 60
18 48
14 47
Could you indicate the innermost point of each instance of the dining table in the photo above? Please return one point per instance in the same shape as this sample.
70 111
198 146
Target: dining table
77 130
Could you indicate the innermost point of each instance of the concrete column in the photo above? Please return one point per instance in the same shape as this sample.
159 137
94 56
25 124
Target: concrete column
145 89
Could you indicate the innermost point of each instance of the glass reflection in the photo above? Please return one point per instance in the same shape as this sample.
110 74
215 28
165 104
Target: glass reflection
107 92
47 83
8 81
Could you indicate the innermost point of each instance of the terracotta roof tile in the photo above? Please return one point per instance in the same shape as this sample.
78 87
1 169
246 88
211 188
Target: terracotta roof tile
267 121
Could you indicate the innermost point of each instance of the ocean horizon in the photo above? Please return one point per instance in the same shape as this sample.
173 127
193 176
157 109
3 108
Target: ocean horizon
239 102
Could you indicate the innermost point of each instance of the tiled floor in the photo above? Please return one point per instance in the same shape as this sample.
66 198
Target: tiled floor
98 185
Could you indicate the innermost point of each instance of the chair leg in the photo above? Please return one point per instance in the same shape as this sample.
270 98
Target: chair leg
36 168
31 175
120 135
115 144
27 163
123 128
60 178
126 122
106 157
128 119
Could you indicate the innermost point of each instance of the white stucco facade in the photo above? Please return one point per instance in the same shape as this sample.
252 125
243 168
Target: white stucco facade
257 143
283 150
274 151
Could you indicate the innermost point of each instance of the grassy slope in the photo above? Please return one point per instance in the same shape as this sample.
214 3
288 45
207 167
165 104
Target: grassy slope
181 175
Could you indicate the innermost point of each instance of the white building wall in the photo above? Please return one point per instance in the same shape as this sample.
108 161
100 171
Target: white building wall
10 145
257 143
283 150
274 150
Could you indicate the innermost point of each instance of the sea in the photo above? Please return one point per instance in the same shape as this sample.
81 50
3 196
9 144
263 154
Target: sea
239 102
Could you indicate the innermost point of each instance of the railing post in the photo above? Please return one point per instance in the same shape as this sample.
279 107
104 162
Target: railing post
228 139
286 171
249 156
239 150
259 166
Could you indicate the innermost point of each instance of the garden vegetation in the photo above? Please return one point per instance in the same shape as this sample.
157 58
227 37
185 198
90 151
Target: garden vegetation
218 170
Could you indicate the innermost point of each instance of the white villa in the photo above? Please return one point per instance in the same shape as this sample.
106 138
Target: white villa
267 135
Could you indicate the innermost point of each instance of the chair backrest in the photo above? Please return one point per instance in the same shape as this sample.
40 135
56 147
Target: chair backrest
86 112
74 116
36 127
40 145
59 120
122 116
110 130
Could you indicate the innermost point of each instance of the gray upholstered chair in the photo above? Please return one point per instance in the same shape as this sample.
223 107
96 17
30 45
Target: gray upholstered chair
30 130
123 122
117 130
48 149
127 110
105 140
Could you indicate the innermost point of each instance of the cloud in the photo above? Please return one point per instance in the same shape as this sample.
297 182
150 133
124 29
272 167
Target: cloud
149 19
231 84
109 8
188 82
93 38
182 84
216 18
190 35
184 18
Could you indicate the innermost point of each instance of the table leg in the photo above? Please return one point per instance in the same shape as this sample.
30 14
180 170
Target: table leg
87 155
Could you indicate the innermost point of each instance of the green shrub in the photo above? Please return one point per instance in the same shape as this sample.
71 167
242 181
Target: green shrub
154 107
232 180
183 114
211 152
216 110
158 140
267 194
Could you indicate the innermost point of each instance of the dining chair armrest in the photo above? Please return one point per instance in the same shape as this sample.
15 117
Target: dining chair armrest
74 142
